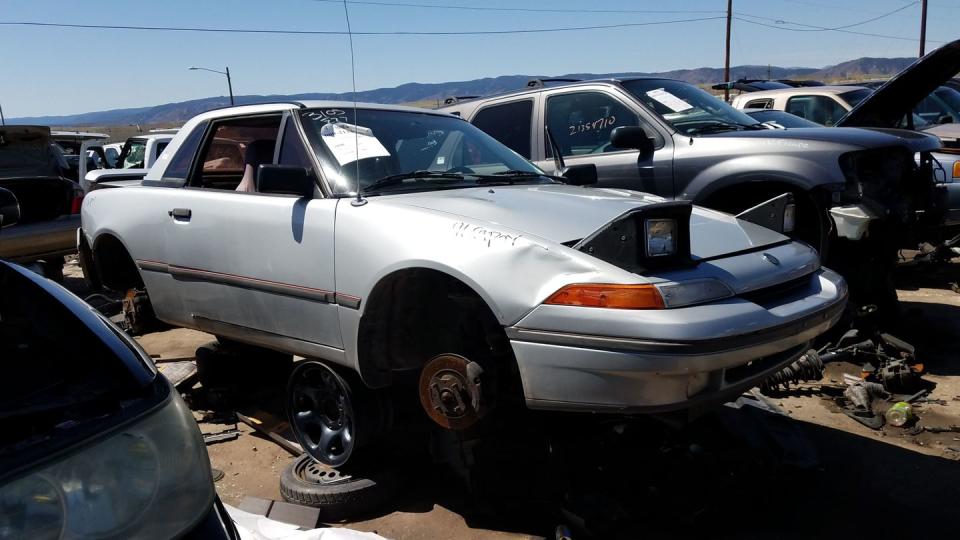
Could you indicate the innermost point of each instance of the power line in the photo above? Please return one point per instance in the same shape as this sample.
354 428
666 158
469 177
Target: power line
869 34
343 33
814 28
515 9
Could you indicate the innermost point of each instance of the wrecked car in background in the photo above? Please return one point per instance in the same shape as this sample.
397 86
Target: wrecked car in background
701 149
95 444
460 272
49 203
135 158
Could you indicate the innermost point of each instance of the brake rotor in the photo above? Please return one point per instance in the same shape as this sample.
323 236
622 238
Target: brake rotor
451 392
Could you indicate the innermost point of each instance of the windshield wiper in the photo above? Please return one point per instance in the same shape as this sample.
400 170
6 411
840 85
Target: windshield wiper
395 179
725 126
507 177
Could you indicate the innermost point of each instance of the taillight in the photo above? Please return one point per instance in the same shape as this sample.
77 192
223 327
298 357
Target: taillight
76 202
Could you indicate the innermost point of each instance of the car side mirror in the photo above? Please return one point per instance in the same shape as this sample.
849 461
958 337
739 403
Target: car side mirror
285 180
580 175
9 208
633 138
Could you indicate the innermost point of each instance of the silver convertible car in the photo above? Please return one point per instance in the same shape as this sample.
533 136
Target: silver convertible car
399 247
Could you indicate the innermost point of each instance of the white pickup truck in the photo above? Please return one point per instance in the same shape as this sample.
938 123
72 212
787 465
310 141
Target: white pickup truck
137 156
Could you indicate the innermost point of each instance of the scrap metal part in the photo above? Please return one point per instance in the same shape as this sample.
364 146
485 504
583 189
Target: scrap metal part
451 392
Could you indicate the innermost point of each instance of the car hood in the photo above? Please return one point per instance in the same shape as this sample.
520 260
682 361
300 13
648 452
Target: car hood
898 96
948 133
863 138
25 152
562 214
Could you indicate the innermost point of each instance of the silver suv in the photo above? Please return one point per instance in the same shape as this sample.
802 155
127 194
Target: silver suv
670 138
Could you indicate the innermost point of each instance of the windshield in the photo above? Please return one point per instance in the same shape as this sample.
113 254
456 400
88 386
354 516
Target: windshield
854 97
688 109
950 97
781 119
402 151
133 154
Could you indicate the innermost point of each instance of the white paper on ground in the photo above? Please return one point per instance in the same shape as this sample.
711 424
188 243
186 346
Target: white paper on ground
673 102
350 143
256 527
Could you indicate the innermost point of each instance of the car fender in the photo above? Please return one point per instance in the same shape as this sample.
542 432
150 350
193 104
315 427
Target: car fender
802 173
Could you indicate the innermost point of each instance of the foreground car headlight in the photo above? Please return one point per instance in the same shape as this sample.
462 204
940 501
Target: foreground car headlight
661 237
150 479
692 292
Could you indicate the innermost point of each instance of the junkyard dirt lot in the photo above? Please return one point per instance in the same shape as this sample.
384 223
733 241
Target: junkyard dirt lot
855 481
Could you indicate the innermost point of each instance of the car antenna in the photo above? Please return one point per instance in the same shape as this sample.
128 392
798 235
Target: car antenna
557 156
359 201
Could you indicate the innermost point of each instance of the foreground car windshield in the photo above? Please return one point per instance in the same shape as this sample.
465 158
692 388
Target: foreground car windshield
688 109
402 151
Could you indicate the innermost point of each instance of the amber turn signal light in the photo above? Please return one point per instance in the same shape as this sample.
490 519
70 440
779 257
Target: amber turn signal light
608 296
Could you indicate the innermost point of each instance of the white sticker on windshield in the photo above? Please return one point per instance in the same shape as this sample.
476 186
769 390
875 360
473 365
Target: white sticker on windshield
673 102
350 143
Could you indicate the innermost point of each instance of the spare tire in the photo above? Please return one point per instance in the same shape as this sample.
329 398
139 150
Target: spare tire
338 493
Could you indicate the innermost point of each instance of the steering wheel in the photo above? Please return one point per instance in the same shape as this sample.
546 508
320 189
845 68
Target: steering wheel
600 148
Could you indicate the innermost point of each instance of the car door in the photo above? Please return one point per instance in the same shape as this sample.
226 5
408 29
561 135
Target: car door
581 120
251 266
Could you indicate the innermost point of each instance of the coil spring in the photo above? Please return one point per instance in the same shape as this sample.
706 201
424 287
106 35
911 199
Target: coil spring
808 367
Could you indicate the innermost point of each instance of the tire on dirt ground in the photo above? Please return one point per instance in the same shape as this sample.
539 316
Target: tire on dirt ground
342 493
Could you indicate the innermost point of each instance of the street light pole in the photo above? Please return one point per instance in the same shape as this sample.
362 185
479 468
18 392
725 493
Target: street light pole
227 73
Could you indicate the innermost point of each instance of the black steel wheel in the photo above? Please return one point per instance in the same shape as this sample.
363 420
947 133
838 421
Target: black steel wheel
338 494
320 407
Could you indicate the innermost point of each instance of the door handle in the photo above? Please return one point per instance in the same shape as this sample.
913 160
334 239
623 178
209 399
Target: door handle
180 213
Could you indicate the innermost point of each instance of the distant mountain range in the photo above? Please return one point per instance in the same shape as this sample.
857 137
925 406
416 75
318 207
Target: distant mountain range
430 94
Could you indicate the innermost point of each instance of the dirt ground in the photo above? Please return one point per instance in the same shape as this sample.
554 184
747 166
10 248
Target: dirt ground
829 475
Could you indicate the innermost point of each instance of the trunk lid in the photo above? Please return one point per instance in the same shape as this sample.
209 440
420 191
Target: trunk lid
897 97
564 214
29 168
25 151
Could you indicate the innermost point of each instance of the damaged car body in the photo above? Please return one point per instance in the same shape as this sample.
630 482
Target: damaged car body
701 149
405 248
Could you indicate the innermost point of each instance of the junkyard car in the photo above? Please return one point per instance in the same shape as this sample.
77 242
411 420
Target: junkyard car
49 203
136 157
702 149
95 444
459 261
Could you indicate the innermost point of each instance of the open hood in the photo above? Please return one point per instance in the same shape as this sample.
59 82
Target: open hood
25 152
564 214
886 107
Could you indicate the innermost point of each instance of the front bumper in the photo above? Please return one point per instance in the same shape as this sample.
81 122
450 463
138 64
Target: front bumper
591 373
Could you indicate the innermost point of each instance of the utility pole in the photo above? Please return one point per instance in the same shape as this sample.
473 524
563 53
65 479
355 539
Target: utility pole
923 26
726 62
230 86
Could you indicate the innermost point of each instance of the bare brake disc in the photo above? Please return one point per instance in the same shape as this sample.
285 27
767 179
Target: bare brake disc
451 391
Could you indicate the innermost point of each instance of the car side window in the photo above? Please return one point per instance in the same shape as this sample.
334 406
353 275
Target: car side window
765 103
234 150
823 110
179 166
292 151
581 122
508 123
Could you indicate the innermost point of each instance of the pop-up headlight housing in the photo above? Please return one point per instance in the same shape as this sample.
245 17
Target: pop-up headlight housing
645 238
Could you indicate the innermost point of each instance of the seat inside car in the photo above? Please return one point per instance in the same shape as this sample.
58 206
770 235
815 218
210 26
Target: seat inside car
257 153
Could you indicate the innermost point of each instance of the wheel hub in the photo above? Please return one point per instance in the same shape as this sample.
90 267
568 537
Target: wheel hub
451 392
321 413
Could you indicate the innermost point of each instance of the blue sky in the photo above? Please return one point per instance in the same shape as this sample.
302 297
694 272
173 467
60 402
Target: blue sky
62 71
